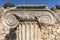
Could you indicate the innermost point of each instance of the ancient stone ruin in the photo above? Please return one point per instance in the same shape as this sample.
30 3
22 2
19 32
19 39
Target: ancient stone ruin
30 22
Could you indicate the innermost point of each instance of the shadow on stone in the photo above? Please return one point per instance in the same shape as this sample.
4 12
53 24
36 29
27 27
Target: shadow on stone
11 35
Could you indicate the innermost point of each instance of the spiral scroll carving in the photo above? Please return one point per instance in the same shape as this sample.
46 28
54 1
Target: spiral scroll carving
10 20
46 19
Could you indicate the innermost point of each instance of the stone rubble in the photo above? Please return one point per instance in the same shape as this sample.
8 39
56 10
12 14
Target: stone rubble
50 32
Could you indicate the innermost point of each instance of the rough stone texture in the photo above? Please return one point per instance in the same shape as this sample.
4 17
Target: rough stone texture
30 31
3 30
51 32
47 32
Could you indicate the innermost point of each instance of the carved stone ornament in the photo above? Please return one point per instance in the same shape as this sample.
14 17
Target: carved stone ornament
58 17
47 19
10 20
44 16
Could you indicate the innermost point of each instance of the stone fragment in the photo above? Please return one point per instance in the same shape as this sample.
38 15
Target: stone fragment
58 31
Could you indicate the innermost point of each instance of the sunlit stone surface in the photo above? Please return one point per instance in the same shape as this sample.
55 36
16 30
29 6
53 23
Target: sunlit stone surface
29 23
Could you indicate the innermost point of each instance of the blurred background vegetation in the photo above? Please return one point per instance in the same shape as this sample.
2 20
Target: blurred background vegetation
8 5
